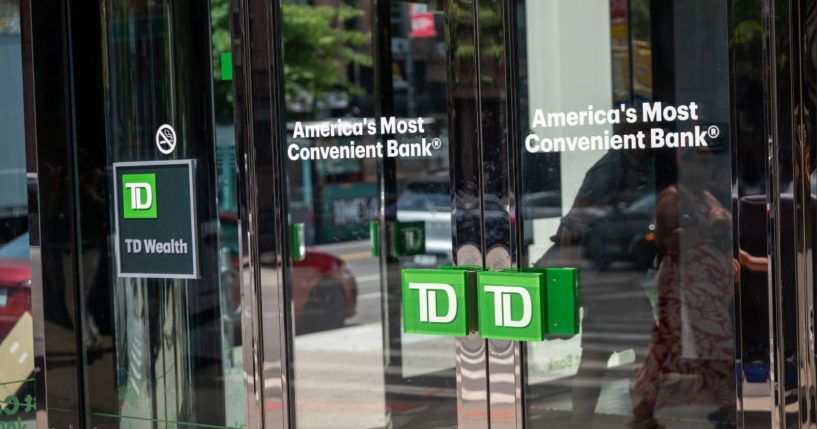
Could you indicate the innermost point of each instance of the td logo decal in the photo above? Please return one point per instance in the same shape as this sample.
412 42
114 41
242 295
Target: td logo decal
139 196
503 310
429 310
437 302
511 306
518 305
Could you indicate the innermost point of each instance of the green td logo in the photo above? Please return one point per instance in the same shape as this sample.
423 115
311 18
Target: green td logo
139 196
408 238
511 305
436 302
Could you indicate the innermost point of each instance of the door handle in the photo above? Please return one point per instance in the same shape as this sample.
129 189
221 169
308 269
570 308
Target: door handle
515 304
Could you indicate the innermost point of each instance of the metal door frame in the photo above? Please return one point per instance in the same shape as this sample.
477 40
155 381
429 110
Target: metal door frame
789 28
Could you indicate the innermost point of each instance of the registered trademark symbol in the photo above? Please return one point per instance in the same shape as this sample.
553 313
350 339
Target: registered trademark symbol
437 143
713 131
166 139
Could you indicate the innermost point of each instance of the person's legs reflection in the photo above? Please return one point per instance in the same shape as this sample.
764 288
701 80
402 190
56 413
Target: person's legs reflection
621 325
691 357
587 385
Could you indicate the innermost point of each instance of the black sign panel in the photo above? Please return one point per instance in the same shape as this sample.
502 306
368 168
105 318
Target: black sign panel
155 219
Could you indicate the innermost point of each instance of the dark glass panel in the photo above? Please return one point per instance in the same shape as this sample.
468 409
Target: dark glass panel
650 228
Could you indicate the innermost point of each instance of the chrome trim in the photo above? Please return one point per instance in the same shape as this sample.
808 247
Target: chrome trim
258 88
782 294
802 30
249 303
506 384
472 381
754 399
32 179
473 410
497 151
246 233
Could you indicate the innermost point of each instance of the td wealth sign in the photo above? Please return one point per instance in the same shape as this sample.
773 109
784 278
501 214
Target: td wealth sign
155 219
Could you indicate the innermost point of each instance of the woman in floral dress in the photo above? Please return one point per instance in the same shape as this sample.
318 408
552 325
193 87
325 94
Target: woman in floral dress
692 354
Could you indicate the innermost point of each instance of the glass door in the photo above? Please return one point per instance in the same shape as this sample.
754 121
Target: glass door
363 158
141 272
635 120
367 154
507 214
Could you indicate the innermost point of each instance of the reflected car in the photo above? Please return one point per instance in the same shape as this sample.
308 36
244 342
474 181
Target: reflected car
496 216
428 200
618 236
324 291
542 205
15 283
623 233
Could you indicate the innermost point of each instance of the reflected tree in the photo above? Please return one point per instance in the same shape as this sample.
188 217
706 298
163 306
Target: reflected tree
9 17
320 42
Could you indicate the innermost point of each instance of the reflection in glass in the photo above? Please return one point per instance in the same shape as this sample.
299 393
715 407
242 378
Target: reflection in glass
691 357
168 351
334 200
650 229
17 387
338 291
229 259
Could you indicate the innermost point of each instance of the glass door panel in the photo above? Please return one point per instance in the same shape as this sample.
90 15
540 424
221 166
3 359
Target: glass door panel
624 111
367 159
161 350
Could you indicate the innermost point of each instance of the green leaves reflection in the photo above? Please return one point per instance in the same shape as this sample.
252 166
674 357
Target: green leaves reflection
320 43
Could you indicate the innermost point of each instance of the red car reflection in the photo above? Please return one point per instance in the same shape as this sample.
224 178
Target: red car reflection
15 283
324 291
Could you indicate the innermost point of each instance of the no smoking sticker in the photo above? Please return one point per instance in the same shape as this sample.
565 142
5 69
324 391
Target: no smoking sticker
166 139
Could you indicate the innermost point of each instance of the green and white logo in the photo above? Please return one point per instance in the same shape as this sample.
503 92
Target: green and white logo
148 245
429 310
506 305
408 238
511 306
503 308
139 196
436 302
